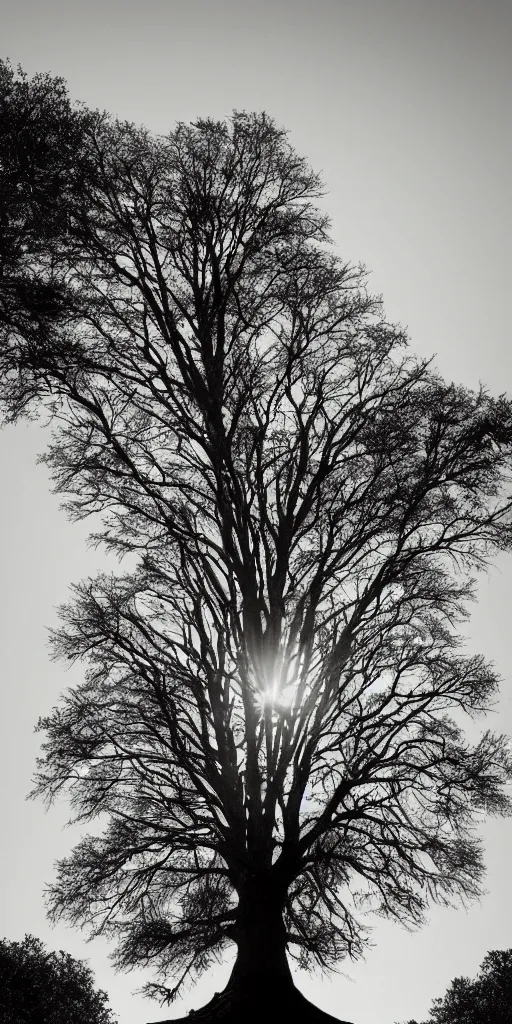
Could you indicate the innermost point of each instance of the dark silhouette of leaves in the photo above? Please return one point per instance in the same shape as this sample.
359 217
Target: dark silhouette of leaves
486 1000
38 987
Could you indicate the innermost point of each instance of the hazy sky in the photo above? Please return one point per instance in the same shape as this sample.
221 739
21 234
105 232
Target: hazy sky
404 105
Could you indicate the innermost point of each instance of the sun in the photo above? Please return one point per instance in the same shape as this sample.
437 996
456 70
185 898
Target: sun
276 696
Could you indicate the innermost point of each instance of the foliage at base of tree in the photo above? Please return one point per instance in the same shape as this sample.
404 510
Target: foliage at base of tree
38 987
486 1000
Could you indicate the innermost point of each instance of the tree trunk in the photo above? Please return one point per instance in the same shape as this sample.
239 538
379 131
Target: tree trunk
260 989
261 962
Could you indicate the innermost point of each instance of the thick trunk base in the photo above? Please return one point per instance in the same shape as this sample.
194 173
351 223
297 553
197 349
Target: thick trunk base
260 989
287 1006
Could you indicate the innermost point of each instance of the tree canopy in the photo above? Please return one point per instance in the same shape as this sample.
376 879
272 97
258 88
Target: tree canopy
271 713
486 1000
38 987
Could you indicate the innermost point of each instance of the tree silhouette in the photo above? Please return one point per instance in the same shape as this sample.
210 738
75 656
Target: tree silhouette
37 987
486 1000
266 724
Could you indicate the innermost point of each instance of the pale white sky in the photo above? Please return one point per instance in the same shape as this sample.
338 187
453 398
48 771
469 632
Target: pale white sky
404 106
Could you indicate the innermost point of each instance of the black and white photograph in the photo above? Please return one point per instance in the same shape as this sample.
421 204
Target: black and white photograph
256 512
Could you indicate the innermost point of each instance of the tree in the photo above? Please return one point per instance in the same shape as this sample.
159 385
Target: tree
266 726
486 1000
41 134
37 987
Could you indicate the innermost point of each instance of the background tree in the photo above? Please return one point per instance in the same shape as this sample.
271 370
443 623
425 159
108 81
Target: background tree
266 726
41 135
38 987
486 1000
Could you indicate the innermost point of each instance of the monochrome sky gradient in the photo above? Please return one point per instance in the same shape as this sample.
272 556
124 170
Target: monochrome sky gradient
404 106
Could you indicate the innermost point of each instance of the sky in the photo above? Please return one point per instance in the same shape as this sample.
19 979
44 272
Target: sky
403 106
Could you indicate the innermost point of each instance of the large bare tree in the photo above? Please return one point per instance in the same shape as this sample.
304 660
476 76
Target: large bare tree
269 727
